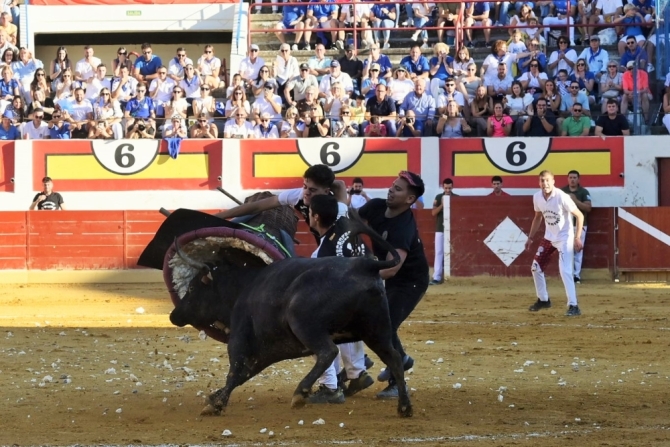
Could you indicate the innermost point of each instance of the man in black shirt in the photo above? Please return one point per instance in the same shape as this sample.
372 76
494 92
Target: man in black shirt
613 123
352 66
383 107
407 282
48 199
539 123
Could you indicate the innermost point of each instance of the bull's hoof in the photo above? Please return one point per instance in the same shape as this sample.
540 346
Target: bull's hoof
210 410
405 411
298 401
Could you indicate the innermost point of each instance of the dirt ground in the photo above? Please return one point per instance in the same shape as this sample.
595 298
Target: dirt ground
101 365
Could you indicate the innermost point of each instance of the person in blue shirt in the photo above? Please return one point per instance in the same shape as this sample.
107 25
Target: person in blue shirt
596 57
477 14
324 17
147 66
416 64
375 57
9 87
523 63
423 106
647 8
408 126
440 68
293 17
384 15
59 127
140 107
7 130
633 21
633 53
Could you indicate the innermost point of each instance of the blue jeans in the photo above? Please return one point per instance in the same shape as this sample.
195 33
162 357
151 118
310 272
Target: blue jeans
503 17
419 23
410 12
386 23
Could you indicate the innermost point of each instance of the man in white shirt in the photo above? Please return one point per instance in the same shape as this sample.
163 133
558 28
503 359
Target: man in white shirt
160 90
36 129
209 67
557 209
81 114
336 75
251 65
97 83
177 64
596 57
268 103
450 94
85 68
238 126
356 196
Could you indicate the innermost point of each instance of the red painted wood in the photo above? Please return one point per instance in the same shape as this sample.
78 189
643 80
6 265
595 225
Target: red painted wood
639 250
6 166
663 181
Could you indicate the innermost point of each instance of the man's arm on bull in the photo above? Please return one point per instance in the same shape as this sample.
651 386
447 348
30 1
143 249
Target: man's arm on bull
250 208
390 273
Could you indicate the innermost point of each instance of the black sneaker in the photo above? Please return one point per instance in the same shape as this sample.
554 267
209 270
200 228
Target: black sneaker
539 305
325 395
385 375
573 311
578 280
369 363
390 392
487 44
470 45
435 283
355 385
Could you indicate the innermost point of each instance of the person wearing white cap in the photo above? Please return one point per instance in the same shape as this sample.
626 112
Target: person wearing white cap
251 64
297 86
596 57
336 75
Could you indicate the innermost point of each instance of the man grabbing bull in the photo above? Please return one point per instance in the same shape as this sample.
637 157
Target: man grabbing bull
407 282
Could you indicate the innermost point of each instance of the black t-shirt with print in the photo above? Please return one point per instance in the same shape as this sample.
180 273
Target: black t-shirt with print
402 233
52 202
337 242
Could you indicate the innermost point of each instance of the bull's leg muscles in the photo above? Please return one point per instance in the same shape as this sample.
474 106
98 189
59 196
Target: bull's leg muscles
325 351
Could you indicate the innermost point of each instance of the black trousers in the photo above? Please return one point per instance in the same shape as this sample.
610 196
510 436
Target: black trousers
402 299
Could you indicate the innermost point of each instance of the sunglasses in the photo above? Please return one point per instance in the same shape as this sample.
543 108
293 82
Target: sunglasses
239 93
204 89
177 91
265 71
208 52
581 64
105 94
253 50
121 53
534 65
239 116
346 113
146 52
562 42
304 69
630 43
472 69
611 66
575 87
374 69
204 121
577 110
284 51
39 74
182 55
38 117
451 84
406 175
265 120
56 116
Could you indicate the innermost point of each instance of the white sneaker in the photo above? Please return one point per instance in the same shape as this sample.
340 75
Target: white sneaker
387 46
650 68
307 48
425 46
365 44
294 47
340 45
415 36
572 43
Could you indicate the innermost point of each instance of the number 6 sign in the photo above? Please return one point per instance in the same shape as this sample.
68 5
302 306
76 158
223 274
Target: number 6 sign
516 155
127 157
339 154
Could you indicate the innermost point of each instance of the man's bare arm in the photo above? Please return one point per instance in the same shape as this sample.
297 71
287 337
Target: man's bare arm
250 208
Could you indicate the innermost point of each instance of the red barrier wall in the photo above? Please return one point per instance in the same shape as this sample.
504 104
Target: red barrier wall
6 166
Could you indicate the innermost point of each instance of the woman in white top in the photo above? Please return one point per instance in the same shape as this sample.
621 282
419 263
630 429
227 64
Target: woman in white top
175 128
336 101
177 105
519 105
237 100
564 58
611 85
24 71
400 85
58 66
263 78
521 21
533 80
190 83
289 127
108 111
65 87
285 66
461 62
498 54
205 104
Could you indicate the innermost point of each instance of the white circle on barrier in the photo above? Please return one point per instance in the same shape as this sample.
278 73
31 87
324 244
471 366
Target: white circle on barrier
125 157
517 155
339 154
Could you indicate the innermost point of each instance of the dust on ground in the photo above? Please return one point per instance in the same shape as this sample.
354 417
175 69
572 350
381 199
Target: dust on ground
83 364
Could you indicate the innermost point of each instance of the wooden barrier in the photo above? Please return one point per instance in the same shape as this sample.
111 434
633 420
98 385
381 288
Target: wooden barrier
6 166
644 243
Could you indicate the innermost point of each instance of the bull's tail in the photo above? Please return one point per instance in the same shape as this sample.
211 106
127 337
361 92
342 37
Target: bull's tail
359 227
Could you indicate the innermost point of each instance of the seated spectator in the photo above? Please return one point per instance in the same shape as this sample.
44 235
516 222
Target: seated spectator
423 16
606 11
481 107
265 128
352 66
597 58
336 75
177 105
292 126
499 55
24 71
611 85
564 12
613 123
204 128
160 90
141 129
16 110
237 82
447 18
451 94
371 81
96 83
399 86
534 53
305 105
539 123
9 87
86 67
58 66
563 82
423 106
417 65
336 99
585 78
258 85
451 124
384 108
319 64
316 125
108 111
139 107
564 58
533 80
190 84
552 96
8 57
358 109
175 128
375 128
633 29
8 27
100 131
81 114
521 21
407 126
294 18
251 64
499 124
383 16
269 103
65 88
205 103
209 68
641 88
575 97
7 130
381 60
36 129
577 125
345 127
470 83
501 85
461 62
440 68
298 85
40 92
238 100
147 66
59 128
324 16
518 104
124 87
477 14
285 68
177 65
633 53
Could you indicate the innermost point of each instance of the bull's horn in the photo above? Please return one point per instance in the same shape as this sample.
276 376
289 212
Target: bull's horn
187 259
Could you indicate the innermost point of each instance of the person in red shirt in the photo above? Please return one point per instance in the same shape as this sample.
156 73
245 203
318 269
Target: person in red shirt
496 182
642 89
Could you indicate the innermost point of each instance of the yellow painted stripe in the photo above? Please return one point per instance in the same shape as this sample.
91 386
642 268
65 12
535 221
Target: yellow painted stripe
86 167
589 163
292 165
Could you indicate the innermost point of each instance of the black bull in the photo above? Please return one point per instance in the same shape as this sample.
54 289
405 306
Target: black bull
290 309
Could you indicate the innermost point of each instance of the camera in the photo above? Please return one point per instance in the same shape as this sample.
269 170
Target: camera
409 120
141 127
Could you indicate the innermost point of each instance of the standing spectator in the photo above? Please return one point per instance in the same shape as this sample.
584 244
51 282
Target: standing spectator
497 184
122 61
48 199
564 58
7 130
376 57
265 128
336 75
356 195
501 85
556 208
344 127
539 123
268 103
451 124
585 79
251 64
175 128
209 67
82 114
582 199
95 84
285 67
633 53
383 15
611 85
298 85
533 80
477 14
400 86
316 126
293 18
596 57
440 68
24 71
85 68
613 123
58 67
319 64
139 107
176 66
124 87
481 107
565 11
499 124
383 107
108 112
160 90
438 213
59 128
641 89
423 106
575 97
147 66
517 47
578 125
351 65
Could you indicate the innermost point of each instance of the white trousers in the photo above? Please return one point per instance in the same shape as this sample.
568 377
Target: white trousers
352 356
438 265
580 255
565 263
548 21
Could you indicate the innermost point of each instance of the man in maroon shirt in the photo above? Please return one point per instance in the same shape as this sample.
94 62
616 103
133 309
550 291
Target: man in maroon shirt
496 182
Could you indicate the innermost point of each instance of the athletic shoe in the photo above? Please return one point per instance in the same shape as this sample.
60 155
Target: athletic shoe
355 385
307 48
425 46
578 280
385 375
369 363
539 305
434 282
390 392
470 45
339 44
415 36
325 395
294 47
487 44
387 46
573 311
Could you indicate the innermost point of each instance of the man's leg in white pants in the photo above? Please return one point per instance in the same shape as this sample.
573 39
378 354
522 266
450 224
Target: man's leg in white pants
579 256
329 376
353 358
438 265
540 282
328 392
540 261
565 263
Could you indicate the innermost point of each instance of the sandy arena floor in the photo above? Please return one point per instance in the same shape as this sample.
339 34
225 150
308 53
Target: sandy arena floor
81 365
